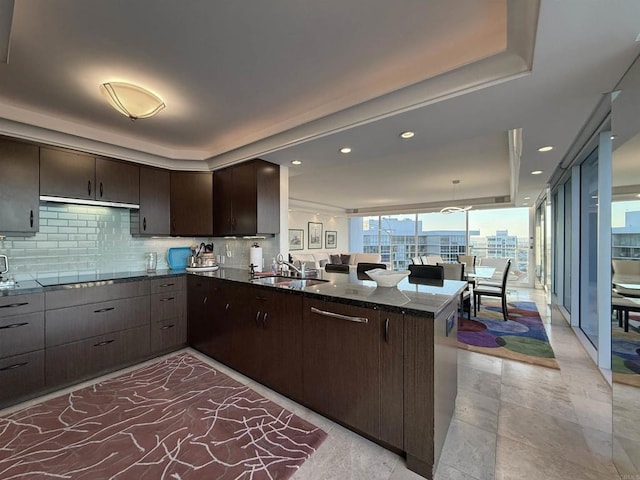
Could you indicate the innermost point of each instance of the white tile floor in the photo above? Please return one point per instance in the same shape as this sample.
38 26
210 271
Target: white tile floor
512 421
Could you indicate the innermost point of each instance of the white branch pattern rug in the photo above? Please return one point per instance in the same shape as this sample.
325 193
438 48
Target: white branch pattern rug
176 419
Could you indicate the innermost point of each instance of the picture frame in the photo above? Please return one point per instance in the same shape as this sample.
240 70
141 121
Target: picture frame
296 239
315 235
330 239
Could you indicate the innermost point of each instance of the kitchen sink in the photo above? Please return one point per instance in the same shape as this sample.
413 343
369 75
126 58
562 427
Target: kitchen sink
288 282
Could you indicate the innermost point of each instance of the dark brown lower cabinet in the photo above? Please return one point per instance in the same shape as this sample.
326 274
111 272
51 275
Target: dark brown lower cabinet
212 307
168 335
342 369
76 361
21 376
274 328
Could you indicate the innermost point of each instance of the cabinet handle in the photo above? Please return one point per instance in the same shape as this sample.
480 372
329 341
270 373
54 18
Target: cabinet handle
173 225
258 319
167 327
102 310
144 223
167 299
12 305
264 320
165 285
226 307
386 330
14 366
339 316
100 189
31 219
204 300
102 344
15 325
89 187
262 299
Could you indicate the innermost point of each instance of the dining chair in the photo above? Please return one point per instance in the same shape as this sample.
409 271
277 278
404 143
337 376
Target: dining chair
490 291
337 268
364 266
469 262
455 271
428 272
433 260
423 260
500 264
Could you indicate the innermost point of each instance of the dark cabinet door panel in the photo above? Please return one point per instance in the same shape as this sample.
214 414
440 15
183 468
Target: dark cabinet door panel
75 361
167 305
117 181
279 341
167 284
192 203
268 199
66 325
19 187
153 218
168 335
21 334
245 199
392 379
20 304
222 199
67 174
21 376
341 374
99 293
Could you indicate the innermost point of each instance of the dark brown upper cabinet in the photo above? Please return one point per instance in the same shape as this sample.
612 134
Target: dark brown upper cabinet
117 181
192 204
19 196
246 199
76 175
153 217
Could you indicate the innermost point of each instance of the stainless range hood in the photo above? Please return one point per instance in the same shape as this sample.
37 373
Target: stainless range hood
96 203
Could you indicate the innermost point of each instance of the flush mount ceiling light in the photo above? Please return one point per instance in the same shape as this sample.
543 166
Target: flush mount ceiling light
447 210
548 148
345 150
407 134
131 100
296 162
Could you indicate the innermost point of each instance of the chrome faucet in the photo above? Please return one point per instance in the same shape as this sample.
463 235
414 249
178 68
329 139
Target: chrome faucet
280 261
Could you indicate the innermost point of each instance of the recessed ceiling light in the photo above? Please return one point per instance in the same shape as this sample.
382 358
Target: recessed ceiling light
345 150
296 162
407 134
527 197
548 148
638 195
525 203
612 137
536 172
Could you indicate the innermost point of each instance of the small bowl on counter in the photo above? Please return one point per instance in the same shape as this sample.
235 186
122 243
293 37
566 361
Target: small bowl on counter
387 278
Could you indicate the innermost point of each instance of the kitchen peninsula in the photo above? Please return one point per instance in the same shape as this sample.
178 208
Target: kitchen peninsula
381 361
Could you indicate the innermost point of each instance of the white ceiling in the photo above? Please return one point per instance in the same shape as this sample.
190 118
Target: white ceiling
297 79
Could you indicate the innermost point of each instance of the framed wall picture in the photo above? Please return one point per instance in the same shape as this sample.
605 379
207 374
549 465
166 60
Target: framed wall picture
330 239
296 239
315 235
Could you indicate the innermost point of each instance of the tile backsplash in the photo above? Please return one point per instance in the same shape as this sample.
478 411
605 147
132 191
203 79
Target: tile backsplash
86 239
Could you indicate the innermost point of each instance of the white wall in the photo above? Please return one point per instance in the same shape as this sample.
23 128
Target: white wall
299 220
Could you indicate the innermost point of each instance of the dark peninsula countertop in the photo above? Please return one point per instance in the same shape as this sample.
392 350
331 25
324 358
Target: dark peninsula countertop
419 298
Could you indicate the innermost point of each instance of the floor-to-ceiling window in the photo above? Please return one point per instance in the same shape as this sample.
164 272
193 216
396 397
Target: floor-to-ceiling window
502 233
589 247
491 233
566 247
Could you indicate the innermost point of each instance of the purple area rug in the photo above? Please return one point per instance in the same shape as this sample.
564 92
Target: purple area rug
522 337
175 419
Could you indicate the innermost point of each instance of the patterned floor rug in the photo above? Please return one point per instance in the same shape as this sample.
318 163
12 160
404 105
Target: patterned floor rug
625 353
176 419
522 337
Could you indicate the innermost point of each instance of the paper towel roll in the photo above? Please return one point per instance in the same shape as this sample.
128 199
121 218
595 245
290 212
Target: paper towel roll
255 258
